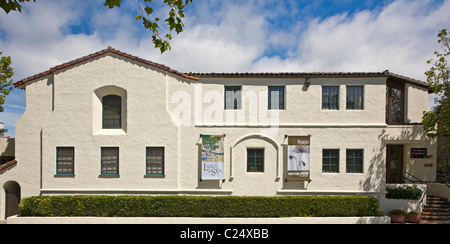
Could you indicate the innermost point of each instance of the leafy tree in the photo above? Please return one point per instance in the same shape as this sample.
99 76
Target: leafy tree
437 122
6 72
174 21
161 41
12 5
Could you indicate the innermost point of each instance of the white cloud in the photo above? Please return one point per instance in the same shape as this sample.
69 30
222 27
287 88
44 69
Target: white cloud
400 37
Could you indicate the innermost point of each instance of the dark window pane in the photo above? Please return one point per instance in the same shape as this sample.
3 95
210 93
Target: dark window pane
355 98
255 160
112 112
355 160
330 161
330 97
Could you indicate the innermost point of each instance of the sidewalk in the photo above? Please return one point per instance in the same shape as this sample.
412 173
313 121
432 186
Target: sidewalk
295 220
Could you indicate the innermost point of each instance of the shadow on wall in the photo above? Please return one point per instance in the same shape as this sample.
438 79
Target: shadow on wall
7 152
413 136
376 172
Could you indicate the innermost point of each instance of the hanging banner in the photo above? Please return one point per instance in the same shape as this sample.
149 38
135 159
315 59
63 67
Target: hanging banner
298 165
213 157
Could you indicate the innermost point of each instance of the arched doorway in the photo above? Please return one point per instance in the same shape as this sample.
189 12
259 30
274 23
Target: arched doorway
12 193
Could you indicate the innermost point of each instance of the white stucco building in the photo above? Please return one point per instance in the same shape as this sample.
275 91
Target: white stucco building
112 123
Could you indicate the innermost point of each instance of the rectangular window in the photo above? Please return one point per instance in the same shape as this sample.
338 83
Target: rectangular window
276 97
255 160
155 161
65 159
233 97
110 161
355 160
112 112
394 102
355 97
330 97
330 161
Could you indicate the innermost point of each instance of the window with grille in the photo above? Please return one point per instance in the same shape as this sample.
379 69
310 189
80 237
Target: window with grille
155 161
110 161
330 97
355 160
330 161
255 160
355 97
112 112
65 159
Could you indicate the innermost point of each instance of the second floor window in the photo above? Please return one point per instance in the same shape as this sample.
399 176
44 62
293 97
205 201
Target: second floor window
233 97
355 97
276 97
330 97
112 112
395 102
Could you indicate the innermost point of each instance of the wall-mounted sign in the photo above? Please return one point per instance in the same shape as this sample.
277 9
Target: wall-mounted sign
298 165
213 157
419 153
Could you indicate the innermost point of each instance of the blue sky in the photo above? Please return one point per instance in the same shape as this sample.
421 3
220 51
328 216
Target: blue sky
230 36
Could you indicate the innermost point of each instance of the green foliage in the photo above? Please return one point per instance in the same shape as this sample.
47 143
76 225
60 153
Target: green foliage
191 206
6 72
173 21
437 122
409 193
12 5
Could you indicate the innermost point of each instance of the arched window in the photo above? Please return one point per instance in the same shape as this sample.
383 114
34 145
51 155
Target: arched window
112 112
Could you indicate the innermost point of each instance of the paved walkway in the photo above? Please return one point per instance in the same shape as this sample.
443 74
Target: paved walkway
93 220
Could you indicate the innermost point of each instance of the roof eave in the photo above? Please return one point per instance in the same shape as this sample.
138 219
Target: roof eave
22 83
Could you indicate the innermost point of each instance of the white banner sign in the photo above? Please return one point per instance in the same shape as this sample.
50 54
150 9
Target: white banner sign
298 158
213 158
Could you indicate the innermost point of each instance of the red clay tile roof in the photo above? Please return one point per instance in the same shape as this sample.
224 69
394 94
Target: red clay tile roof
197 76
386 74
97 54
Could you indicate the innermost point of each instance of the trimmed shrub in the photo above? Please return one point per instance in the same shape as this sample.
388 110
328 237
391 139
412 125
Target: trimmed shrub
408 193
192 206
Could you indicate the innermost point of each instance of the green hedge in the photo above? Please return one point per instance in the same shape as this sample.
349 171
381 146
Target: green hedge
408 193
189 206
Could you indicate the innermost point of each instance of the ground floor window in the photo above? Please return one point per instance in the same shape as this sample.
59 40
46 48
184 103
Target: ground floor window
255 160
65 160
110 161
155 161
330 161
355 160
